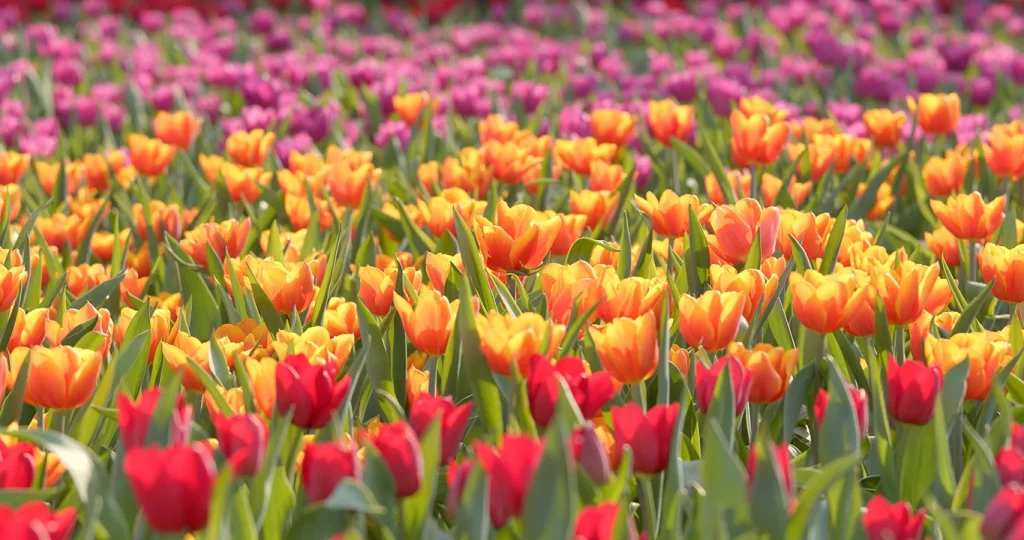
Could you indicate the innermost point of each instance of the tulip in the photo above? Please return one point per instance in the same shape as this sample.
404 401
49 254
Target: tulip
36 520
905 290
263 378
510 469
649 435
770 368
937 114
711 321
226 239
61 377
504 340
288 288
605 176
453 420
752 283
591 453
591 391
884 125
630 297
680 357
782 458
133 419
409 106
1005 267
249 149
377 287
1004 153
968 216
1003 514
579 154
860 407
811 232
757 138
172 485
819 301
983 356
455 476
17 465
611 126
347 184
707 381
309 390
11 280
243 440
736 226
177 129
598 207
943 245
670 215
944 176
1010 465
324 465
571 229
891 521
599 522
429 325
13 166
518 238
668 120
913 388
628 348
469 171
400 450
149 156
511 163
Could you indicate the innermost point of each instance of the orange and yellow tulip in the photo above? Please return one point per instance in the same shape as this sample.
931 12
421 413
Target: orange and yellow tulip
905 290
605 176
579 154
429 322
756 138
968 216
920 330
13 166
177 129
669 120
937 114
347 184
469 171
264 389
771 368
984 355
680 357
569 286
711 321
628 348
859 314
735 227
630 297
755 105
244 183
249 148
316 344
505 340
289 287
1004 154
1005 268
611 126
496 128
570 231
11 280
510 163
409 106
670 214
884 126
819 301
944 176
883 200
149 156
519 238
598 206
751 282
943 245
60 377
377 287
341 317
226 239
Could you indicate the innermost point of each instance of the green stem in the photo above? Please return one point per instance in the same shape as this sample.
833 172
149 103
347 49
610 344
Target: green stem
755 183
647 506
640 394
899 344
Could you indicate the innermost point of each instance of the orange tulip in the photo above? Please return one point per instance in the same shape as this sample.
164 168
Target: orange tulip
11 280
505 339
905 290
810 230
519 238
49 173
578 154
438 213
298 183
264 389
341 317
937 114
211 166
859 313
771 368
226 239
605 176
309 163
943 245
409 106
1004 154
13 166
377 287
968 217
233 396
757 138
289 287
984 355
149 156
668 120
300 215
178 128
711 321
944 176
316 344
884 125
510 163
670 215
628 348
568 233
429 323
818 157
496 128
751 282
883 200
178 354
819 300
469 171
249 148
569 286
56 331
611 126
244 183
920 330
60 377
417 383
680 357
1005 267
347 184
429 175
736 226
630 297
438 267
165 219
247 332
754 105
598 206
809 126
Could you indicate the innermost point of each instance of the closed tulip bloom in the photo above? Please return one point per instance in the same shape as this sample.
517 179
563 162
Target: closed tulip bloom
149 156
611 126
309 390
249 149
400 450
504 340
707 380
430 323
780 452
969 217
943 245
648 435
736 227
61 377
570 231
1010 466
510 162
913 387
172 485
982 354
1005 267
409 106
628 348
937 114
11 280
670 214
245 183
819 301
520 237
944 176
453 420
711 321
243 440
568 287
669 120
859 314
133 418
860 407
13 166
377 288
757 138
1004 513
770 368
347 184
591 391
226 239
630 297
883 520
34 520
599 522
811 232
753 105
578 154
905 290
325 465
605 176
177 129
510 469
884 125
751 283
289 287
598 206
17 465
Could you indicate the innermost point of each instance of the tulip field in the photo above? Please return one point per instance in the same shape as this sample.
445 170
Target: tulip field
443 269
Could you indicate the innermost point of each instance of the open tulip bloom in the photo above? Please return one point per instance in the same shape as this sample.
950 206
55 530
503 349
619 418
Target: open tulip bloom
511 269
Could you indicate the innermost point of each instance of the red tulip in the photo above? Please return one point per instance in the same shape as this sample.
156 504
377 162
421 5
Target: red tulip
648 435
309 389
453 421
133 418
17 465
590 454
785 470
913 387
400 449
1017 437
34 520
172 485
891 521
860 406
510 469
1010 464
1003 514
707 379
598 522
243 440
326 464
456 476
590 391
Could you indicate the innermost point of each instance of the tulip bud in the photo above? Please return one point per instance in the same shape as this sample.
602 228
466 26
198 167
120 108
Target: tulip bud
707 380
1010 464
243 439
172 485
590 454
326 464
913 388
17 465
590 391
35 519
510 468
649 435
785 469
453 421
400 449
309 390
456 475
133 418
884 520
1003 515
599 522
860 407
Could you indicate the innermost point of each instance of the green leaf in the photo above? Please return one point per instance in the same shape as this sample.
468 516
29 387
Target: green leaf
378 478
418 506
78 332
698 256
584 246
99 294
551 498
11 411
813 491
799 255
866 201
723 404
840 434
796 396
770 513
485 390
974 310
835 240
474 264
474 519
916 461
268 312
81 463
217 526
378 367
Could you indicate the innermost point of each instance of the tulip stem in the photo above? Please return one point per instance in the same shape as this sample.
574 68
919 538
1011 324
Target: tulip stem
899 344
640 394
755 182
647 506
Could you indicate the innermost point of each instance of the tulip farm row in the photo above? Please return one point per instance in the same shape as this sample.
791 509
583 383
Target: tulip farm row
498 270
